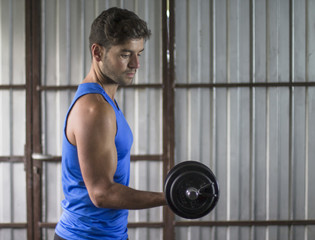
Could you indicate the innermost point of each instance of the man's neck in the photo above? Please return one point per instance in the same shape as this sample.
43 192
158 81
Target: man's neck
109 87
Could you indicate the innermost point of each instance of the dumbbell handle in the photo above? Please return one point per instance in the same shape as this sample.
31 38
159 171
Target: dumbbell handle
205 191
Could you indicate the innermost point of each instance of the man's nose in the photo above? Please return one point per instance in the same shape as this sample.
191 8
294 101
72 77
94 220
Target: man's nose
134 62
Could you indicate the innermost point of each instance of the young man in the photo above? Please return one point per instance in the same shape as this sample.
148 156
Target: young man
97 139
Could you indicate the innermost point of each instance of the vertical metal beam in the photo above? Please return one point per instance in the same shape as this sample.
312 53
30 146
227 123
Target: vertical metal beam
168 35
291 118
252 116
28 146
37 145
33 130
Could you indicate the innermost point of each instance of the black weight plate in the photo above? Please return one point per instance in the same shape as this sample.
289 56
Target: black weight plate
179 182
179 179
190 208
184 175
178 192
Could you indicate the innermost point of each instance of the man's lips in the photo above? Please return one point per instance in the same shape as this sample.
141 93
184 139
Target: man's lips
131 74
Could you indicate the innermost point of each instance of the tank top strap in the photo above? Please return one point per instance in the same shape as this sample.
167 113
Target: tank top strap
92 88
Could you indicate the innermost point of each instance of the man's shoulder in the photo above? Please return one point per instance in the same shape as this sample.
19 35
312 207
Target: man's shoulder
94 106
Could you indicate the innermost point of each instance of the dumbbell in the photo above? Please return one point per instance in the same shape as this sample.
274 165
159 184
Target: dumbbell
191 190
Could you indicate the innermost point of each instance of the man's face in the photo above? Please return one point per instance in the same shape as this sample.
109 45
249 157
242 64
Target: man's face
121 62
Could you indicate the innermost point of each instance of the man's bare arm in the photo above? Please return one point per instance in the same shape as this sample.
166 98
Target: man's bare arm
92 128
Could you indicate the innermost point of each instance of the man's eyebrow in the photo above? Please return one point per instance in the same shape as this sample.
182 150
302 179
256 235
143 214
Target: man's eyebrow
130 51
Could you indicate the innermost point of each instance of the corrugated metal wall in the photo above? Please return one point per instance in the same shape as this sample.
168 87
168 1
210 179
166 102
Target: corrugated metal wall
244 105
12 117
249 119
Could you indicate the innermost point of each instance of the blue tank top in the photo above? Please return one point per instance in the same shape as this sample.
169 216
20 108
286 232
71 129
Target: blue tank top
80 218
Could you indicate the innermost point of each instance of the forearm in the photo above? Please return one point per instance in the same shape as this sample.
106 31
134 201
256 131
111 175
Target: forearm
122 197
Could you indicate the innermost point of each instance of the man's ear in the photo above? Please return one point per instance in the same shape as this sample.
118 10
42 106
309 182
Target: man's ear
97 52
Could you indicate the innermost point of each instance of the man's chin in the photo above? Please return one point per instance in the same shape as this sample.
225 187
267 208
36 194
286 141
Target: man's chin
127 82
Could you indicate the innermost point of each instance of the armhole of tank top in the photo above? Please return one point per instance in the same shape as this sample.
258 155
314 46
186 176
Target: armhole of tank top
67 117
66 122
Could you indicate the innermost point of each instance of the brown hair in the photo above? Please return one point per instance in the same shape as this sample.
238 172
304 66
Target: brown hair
116 26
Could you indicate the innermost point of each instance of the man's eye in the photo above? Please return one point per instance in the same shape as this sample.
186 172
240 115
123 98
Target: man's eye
125 55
